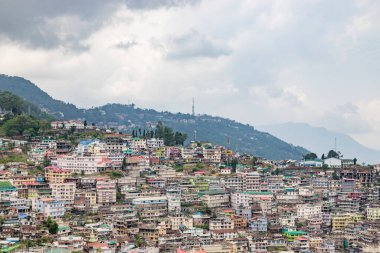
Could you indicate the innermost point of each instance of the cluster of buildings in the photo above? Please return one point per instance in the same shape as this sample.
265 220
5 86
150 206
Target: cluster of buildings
95 156
124 194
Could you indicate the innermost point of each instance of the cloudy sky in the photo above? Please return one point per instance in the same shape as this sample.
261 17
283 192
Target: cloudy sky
259 62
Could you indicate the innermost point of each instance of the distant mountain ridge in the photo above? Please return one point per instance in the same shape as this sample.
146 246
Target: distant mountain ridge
241 137
30 92
12 105
321 140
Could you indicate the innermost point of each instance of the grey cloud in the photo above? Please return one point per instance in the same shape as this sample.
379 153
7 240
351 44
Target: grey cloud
308 49
125 45
154 4
27 22
346 118
195 44
272 93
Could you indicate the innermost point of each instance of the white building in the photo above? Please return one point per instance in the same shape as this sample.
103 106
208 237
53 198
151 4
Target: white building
333 162
373 213
64 191
215 199
187 153
221 223
225 171
307 211
87 164
251 181
245 199
311 163
154 143
50 207
174 200
78 124
212 155
57 124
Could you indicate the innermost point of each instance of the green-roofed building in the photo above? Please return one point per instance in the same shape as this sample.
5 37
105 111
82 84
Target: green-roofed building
212 192
11 248
6 186
291 235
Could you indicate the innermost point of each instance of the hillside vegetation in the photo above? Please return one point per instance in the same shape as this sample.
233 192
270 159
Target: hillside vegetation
226 132
19 117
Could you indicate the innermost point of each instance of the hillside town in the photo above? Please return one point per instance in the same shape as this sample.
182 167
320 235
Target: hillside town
88 189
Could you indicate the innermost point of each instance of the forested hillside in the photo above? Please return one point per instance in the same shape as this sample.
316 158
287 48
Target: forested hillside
222 131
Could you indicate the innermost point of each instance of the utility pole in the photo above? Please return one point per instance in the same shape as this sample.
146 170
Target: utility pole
193 108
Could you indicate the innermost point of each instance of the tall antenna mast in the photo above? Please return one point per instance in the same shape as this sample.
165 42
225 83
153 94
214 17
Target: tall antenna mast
193 108
335 145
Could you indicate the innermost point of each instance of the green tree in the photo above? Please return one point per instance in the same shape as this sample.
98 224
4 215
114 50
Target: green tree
10 102
139 240
335 176
167 134
310 156
180 138
44 125
72 130
332 153
46 162
20 125
51 225
119 195
234 163
124 163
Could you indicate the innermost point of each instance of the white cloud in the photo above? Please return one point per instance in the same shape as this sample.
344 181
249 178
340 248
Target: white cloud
304 58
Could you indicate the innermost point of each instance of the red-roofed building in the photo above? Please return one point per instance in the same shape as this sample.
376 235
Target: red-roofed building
87 164
56 175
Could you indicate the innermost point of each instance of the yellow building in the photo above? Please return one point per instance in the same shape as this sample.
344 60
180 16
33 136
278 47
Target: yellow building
19 181
56 175
373 213
339 222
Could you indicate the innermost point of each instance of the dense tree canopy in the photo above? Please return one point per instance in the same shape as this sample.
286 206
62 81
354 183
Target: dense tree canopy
169 136
11 103
310 156
51 225
333 153
21 125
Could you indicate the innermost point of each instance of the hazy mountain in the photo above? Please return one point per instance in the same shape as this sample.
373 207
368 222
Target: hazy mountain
226 132
321 140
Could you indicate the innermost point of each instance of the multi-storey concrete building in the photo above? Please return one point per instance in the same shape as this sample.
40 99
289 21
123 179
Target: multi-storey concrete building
105 191
49 207
64 192
56 175
307 211
84 164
